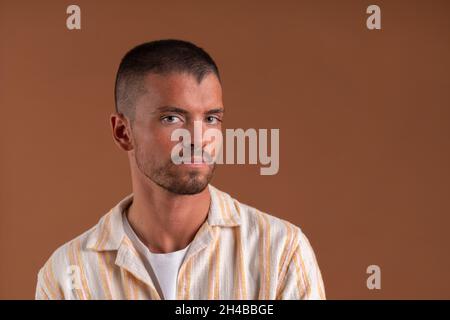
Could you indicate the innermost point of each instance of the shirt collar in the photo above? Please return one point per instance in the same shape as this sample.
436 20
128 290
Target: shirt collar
109 232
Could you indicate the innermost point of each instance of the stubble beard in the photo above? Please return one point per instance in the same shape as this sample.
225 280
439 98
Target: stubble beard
173 178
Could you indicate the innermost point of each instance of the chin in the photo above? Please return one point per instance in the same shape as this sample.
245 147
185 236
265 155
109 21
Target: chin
186 179
188 188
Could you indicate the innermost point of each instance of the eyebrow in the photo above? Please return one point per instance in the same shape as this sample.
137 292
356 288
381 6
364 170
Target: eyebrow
183 111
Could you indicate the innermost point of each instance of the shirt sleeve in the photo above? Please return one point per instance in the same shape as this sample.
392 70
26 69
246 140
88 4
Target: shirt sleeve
303 279
47 287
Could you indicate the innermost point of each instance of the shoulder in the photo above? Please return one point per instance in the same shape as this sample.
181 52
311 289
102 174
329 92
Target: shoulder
54 276
279 249
65 252
252 217
78 258
259 226
105 235
277 229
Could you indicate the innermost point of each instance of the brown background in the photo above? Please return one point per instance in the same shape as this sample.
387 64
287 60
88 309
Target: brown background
363 117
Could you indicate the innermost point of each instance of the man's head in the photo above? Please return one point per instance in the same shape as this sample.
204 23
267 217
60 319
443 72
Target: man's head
162 86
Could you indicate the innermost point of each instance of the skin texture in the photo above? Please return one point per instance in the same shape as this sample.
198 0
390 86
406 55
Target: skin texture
170 201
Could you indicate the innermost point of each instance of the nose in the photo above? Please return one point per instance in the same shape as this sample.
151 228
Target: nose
196 130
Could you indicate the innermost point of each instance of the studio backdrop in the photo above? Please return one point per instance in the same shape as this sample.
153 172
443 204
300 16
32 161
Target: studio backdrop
361 104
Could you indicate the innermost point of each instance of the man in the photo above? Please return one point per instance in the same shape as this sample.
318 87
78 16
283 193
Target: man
176 236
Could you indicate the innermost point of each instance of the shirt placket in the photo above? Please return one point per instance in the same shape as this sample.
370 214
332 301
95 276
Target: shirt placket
202 240
128 259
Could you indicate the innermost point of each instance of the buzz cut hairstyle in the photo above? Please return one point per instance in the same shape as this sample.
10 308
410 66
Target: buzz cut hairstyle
159 57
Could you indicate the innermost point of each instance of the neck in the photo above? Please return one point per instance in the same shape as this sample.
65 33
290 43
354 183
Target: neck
164 221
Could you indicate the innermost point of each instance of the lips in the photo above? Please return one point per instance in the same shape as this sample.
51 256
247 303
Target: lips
197 160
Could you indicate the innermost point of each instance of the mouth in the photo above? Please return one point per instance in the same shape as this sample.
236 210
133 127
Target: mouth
194 160
197 162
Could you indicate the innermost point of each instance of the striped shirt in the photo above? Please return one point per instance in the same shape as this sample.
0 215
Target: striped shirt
237 253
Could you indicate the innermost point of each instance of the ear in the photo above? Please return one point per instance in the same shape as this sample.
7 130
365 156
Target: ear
121 131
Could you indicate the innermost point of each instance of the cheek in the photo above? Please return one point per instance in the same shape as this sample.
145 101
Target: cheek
162 139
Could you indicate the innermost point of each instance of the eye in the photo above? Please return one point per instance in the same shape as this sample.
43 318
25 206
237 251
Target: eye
212 120
170 119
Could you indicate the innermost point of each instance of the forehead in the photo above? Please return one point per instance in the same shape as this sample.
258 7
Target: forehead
181 90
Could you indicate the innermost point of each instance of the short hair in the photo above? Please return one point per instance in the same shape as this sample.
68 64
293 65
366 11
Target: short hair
159 57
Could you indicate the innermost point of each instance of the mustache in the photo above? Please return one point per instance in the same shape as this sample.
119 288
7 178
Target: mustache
187 153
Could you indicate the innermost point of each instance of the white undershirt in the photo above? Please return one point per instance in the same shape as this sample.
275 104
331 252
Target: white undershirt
162 267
